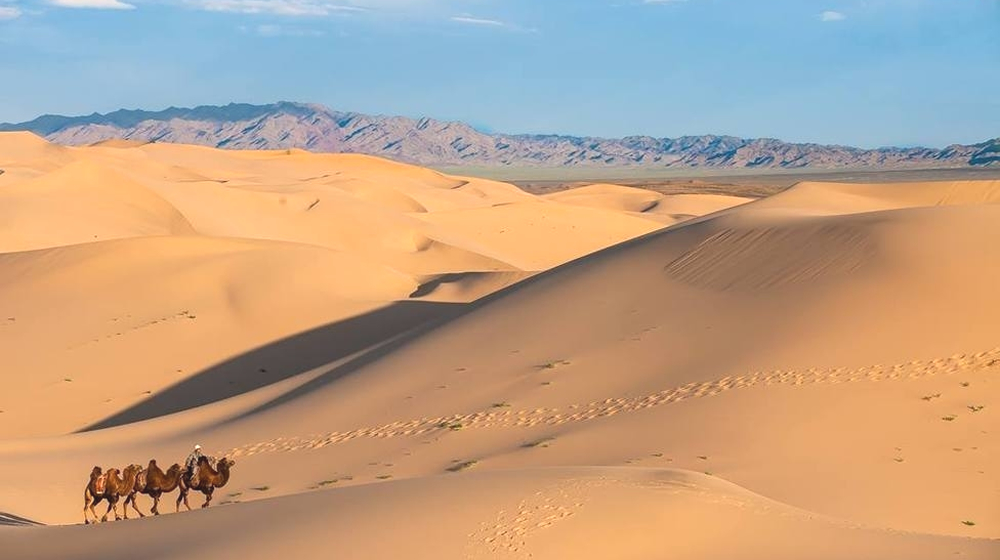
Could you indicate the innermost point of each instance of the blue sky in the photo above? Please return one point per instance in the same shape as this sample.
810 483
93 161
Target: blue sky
860 72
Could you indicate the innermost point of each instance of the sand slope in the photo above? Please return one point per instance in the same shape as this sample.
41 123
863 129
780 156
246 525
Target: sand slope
547 513
667 209
809 376
242 247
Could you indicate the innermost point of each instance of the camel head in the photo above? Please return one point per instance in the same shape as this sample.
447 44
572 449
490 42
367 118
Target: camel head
133 468
152 463
96 472
227 461
175 468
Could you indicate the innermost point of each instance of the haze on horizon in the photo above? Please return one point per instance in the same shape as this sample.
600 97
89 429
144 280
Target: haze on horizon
860 72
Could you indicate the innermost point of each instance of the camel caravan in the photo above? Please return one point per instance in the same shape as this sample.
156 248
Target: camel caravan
200 473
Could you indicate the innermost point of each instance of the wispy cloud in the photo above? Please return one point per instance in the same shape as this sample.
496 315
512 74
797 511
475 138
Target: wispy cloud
475 21
830 15
9 12
93 4
478 21
274 30
275 7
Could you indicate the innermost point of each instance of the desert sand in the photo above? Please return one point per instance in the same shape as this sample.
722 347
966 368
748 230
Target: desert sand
406 364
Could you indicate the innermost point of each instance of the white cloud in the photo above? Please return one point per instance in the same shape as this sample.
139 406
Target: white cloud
273 30
830 15
7 12
478 21
93 4
467 19
275 7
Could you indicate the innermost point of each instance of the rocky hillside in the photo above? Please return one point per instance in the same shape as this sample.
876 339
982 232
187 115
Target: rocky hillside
431 142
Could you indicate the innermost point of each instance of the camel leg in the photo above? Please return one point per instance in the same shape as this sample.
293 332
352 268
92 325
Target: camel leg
156 503
183 496
87 499
208 497
114 505
132 499
94 500
104 517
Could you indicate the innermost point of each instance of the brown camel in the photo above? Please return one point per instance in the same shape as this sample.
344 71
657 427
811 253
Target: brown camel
108 486
96 486
153 482
208 479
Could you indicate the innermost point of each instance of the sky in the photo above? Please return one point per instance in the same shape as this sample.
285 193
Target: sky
858 72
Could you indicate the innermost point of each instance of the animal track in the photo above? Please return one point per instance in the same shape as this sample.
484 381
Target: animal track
507 533
146 325
506 418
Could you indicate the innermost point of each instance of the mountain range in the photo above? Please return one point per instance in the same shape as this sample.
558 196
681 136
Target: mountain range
432 142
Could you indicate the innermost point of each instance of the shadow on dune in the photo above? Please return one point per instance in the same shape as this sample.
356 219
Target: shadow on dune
285 358
375 354
11 520
381 332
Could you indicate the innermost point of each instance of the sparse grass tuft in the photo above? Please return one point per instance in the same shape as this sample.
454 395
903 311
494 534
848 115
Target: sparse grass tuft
235 494
949 418
898 459
964 384
501 405
544 442
261 488
969 523
929 397
323 483
461 466
975 407
703 457
384 476
553 364
68 379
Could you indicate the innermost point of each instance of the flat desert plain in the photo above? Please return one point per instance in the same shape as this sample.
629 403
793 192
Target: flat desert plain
407 364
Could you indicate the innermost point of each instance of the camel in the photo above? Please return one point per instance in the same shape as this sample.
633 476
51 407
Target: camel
108 486
96 486
153 482
208 480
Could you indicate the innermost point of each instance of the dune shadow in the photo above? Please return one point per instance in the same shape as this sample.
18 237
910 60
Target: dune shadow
380 332
11 520
284 359
553 274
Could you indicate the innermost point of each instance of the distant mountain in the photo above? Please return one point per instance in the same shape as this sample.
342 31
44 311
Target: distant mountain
431 142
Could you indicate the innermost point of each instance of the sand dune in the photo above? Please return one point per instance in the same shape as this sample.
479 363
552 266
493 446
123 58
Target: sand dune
82 202
667 209
546 513
808 376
